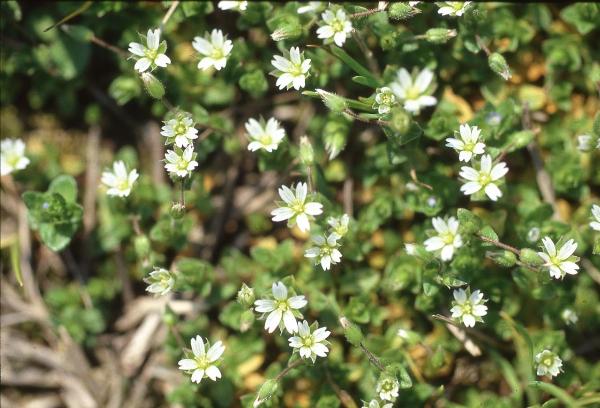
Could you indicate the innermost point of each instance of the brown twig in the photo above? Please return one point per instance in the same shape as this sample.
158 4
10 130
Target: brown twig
170 12
289 368
373 66
378 122
342 395
499 244
366 13
372 357
100 42
413 175
482 45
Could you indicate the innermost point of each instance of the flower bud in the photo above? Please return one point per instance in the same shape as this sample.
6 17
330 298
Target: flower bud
334 143
141 244
498 64
245 296
400 120
352 332
402 11
287 31
503 258
153 86
265 392
307 154
439 35
246 320
177 210
334 102
388 41
530 257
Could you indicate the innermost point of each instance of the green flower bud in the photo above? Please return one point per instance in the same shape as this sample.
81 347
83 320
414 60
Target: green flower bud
439 35
402 11
504 258
352 332
153 86
289 30
334 143
246 320
469 222
265 392
498 64
530 257
307 154
177 210
400 120
388 41
334 102
245 296
141 243
254 82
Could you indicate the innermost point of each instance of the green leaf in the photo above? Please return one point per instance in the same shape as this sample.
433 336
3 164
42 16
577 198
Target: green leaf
356 66
489 233
554 391
66 186
15 261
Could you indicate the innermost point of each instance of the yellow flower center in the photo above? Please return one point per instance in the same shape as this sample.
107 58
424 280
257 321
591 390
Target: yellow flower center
413 93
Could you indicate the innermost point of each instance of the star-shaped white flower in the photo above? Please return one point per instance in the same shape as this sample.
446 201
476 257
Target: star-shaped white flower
447 240
375 403
387 388
151 55
339 225
119 181
160 281
569 316
561 262
292 72
548 363
233 5
384 100
468 309
266 137
12 156
595 225
282 309
203 363
484 178
468 145
453 8
337 26
181 162
180 130
296 209
215 48
310 345
414 91
325 250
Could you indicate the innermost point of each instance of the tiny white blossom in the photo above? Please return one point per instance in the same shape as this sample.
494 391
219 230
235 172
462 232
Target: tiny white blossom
414 91
559 262
336 25
266 137
584 143
384 100
339 225
310 7
233 5
160 281
296 209
411 249
310 345
453 8
468 145
468 309
375 404
325 250
569 316
291 72
413 3
12 156
181 162
119 181
203 363
484 178
387 388
215 49
447 239
151 55
180 130
595 225
281 309
548 363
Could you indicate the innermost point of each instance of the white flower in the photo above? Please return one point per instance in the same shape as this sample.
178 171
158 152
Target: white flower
215 49
152 55
291 72
453 8
180 130
12 156
595 225
339 225
584 143
411 249
413 3
310 345
203 362
548 363
160 281
561 262
336 25
181 162
384 100
415 92
296 210
326 250
468 309
281 309
310 7
483 178
233 5
119 182
468 145
569 316
447 238
387 388
375 404
264 137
